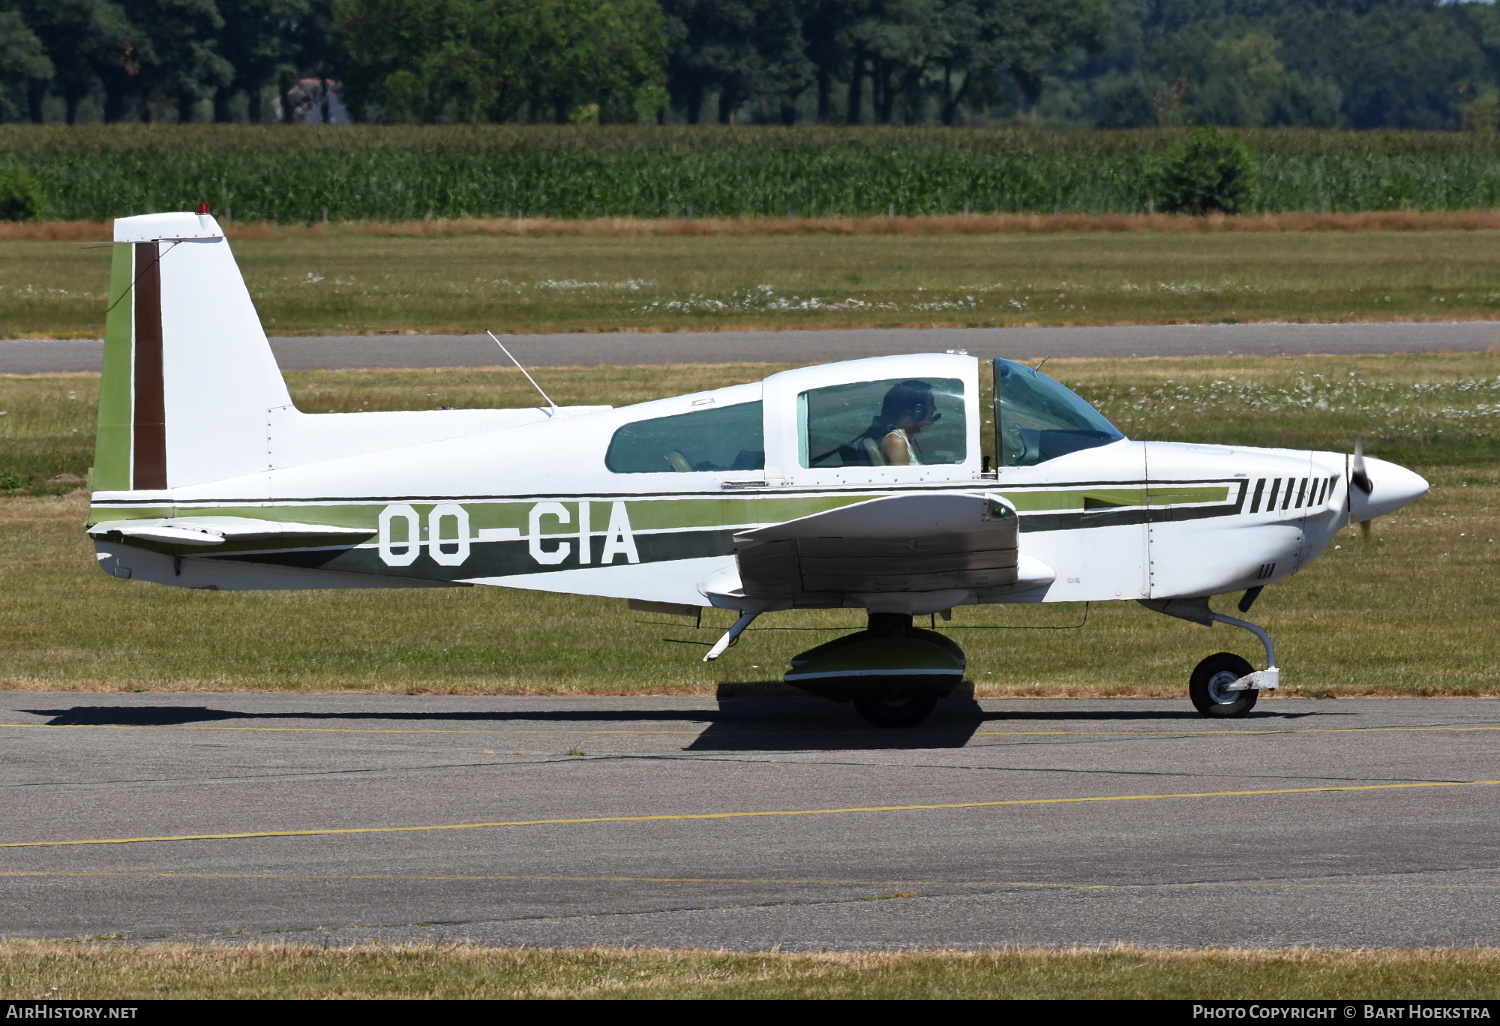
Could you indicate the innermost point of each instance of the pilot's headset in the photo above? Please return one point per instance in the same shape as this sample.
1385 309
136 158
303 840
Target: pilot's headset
910 398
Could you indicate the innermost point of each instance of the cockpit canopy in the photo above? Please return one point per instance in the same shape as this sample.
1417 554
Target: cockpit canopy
1037 419
898 418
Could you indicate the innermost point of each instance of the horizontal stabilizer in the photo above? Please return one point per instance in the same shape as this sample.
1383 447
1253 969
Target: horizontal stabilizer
205 531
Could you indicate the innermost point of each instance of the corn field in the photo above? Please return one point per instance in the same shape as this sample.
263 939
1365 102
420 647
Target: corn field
293 174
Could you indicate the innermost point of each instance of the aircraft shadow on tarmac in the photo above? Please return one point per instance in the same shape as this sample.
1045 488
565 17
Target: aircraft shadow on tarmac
803 724
731 724
738 724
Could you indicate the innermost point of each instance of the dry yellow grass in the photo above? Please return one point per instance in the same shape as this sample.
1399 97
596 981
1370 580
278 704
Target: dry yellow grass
66 970
335 280
943 224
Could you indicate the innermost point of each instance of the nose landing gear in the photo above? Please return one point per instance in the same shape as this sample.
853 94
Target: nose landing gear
1222 686
894 673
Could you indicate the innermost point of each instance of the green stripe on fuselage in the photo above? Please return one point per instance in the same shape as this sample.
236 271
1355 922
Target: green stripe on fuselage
1181 495
672 513
647 513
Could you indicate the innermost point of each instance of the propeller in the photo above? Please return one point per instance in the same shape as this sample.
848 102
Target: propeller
1360 478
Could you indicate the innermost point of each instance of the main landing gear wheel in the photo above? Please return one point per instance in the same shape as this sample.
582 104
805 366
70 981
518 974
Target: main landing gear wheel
893 672
1209 686
900 707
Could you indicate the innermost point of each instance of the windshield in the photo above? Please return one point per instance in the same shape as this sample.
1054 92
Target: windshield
1037 419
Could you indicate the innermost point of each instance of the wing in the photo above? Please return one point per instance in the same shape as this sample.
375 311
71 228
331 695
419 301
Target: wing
896 544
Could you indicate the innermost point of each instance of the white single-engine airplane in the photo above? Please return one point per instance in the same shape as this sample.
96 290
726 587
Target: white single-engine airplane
869 484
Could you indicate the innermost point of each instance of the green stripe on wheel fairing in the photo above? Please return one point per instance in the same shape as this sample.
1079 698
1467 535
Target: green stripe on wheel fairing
874 657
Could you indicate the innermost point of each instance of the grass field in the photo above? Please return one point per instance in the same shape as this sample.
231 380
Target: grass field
301 174
31 970
1402 614
343 281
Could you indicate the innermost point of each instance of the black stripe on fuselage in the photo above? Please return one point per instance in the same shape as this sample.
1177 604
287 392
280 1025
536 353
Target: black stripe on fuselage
513 558
502 559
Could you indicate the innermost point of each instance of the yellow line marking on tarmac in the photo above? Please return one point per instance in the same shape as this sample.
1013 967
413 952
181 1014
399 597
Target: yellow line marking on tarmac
815 881
1187 731
678 817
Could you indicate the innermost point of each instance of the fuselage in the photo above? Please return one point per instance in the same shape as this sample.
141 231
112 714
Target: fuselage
612 502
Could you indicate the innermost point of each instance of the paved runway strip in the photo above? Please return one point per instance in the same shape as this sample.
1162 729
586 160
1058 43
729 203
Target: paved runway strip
748 823
40 356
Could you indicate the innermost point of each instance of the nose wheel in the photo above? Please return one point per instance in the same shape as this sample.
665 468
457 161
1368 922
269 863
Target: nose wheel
1209 686
1224 686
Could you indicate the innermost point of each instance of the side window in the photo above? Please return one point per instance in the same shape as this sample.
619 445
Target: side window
718 438
895 422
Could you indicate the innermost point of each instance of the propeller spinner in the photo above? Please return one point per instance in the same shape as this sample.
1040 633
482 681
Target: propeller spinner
1378 488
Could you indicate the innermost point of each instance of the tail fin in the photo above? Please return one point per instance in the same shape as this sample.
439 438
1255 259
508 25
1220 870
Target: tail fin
189 382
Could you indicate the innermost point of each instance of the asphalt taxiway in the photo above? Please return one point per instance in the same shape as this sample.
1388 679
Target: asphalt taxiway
748 823
46 356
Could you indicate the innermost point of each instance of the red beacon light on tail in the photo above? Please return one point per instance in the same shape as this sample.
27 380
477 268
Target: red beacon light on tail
202 208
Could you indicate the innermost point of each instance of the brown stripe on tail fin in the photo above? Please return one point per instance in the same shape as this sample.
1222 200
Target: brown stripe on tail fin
150 449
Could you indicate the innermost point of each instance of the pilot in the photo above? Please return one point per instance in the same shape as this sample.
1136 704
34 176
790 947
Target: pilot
908 407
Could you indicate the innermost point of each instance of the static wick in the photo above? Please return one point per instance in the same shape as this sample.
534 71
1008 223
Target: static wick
1039 366
523 370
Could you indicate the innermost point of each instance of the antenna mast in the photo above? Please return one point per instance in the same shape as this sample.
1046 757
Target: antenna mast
507 352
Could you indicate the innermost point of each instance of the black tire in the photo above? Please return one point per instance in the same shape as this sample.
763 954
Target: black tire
898 710
1205 687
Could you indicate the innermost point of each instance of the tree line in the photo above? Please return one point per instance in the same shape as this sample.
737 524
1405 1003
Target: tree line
1114 63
